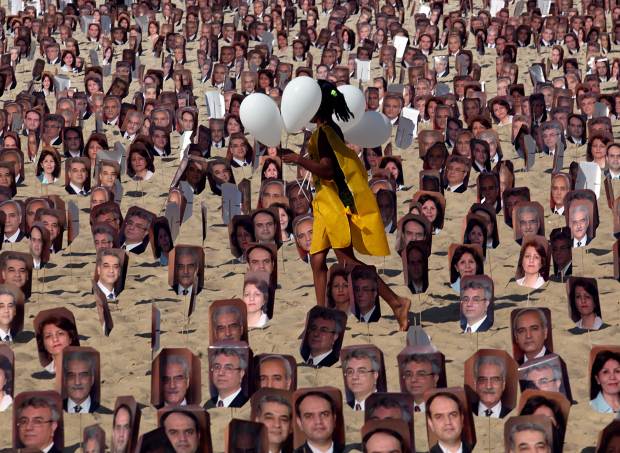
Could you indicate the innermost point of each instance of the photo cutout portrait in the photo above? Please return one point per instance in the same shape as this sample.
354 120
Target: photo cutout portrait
42 408
386 435
546 373
421 369
271 191
80 380
553 405
11 313
488 188
263 257
77 176
136 231
491 382
476 231
246 436
415 265
433 207
55 329
580 221
175 378
55 222
456 174
302 227
39 245
531 332
16 270
338 294
274 409
309 403
490 220
173 421
584 305
228 321
465 260
477 303
534 259
560 186
391 406
510 197
218 171
125 424
604 365
363 372
186 264
609 438
413 227
528 433
561 253
110 272
440 403
430 181
103 309
93 439
266 224
258 296
528 219
7 377
240 235
364 284
164 241
322 336
275 371
229 379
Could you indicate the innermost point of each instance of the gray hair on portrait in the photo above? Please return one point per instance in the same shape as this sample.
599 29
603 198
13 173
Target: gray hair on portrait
176 359
226 310
557 372
490 360
478 284
285 363
278 399
39 402
228 352
526 426
538 311
80 356
362 354
423 358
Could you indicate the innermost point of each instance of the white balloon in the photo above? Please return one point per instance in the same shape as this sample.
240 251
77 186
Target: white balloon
300 101
260 116
374 129
355 102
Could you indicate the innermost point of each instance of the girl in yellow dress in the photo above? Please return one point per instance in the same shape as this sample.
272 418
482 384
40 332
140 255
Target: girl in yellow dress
346 215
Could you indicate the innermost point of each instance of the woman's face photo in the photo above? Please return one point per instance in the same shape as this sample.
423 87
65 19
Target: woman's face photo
532 261
429 210
93 148
138 163
221 173
340 289
243 238
583 301
609 377
254 299
283 219
476 236
55 339
393 169
466 265
163 239
48 164
271 172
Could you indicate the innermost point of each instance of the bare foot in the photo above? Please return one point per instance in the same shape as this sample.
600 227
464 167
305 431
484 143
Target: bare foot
401 307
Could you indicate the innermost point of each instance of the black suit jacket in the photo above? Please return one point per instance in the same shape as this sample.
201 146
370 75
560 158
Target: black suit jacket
331 359
20 236
436 449
239 401
376 315
55 449
505 410
70 190
142 247
305 448
486 325
94 405
462 188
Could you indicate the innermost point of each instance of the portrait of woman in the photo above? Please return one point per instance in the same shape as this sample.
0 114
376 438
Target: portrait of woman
272 169
96 142
140 166
241 235
490 221
163 240
533 267
55 329
256 297
432 208
465 260
47 83
6 383
476 232
597 150
501 111
48 167
605 381
68 61
286 221
338 295
584 303
395 168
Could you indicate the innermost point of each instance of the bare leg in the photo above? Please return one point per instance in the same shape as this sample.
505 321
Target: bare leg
319 274
399 305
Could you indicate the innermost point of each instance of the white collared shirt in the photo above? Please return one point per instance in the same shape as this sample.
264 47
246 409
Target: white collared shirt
229 399
4 334
74 153
48 448
314 449
160 152
496 410
367 316
130 247
316 360
445 449
181 289
583 241
85 406
474 327
106 292
36 263
13 237
542 353
182 403
559 211
614 176
454 188
241 163
421 406
77 189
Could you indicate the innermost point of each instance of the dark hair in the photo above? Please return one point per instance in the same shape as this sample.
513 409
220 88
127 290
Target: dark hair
599 362
62 323
246 223
589 286
458 253
534 403
55 156
389 432
448 395
332 102
438 222
544 259
268 161
183 412
322 395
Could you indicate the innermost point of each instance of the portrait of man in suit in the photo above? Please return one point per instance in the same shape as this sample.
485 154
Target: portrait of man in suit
579 222
13 220
186 267
16 271
546 376
420 373
445 418
275 372
109 268
260 258
54 223
227 322
476 299
392 108
37 419
361 371
529 436
136 231
490 382
561 251
309 408
121 429
322 332
175 380
530 332
182 430
79 370
228 367
79 177
365 294
276 413
456 174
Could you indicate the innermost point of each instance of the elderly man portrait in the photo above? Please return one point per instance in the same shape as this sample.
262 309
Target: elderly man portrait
361 371
275 372
13 220
186 267
490 382
579 221
530 332
546 376
175 379
79 370
227 323
136 232
476 295
529 221
37 419
228 367
322 332
276 413
420 373
529 436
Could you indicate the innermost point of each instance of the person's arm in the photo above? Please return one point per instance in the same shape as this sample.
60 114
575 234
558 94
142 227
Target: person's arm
323 169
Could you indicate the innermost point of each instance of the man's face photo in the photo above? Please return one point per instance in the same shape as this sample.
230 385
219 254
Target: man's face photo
78 173
383 442
136 229
579 222
413 231
175 383
185 267
227 374
559 189
277 419
260 260
228 326
35 427
360 377
111 109
391 108
316 419
79 380
530 333
455 173
419 378
322 335
12 219
52 225
531 441
15 272
182 433
490 384
474 304
107 175
542 378
529 222
109 270
121 431
272 374
365 294
8 311
264 227
445 419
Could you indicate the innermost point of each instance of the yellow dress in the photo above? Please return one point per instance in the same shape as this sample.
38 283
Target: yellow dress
336 225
